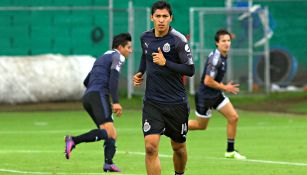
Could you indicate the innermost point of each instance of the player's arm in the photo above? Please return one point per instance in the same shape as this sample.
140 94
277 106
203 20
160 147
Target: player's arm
113 85
212 67
229 87
113 88
185 69
87 79
138 77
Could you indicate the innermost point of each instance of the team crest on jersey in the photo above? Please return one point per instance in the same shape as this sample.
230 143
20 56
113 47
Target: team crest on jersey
166 47
146 126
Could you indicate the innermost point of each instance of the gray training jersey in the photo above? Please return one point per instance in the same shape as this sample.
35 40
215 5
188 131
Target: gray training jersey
104 75
215 67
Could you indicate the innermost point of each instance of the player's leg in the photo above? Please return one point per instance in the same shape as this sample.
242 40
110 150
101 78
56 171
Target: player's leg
179 157
97 107
177 128
226 108
203 114
110 147
199 124
232 117
152 160
153 126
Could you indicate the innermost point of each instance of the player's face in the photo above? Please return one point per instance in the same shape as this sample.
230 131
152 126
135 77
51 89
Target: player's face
126 50
161 19
224 44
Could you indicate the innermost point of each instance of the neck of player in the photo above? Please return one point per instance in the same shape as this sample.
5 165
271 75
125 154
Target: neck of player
161 33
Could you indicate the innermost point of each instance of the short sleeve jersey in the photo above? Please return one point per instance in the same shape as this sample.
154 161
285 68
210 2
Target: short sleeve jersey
99 76
215 67
163 84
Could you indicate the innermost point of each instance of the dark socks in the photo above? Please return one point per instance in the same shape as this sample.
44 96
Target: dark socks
91 136
109 150
179 173
230 145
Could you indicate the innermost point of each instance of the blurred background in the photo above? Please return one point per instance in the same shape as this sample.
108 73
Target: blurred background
268 52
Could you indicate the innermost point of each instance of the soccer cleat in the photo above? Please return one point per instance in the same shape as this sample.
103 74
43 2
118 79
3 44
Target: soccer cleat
110 168
234 155
69 146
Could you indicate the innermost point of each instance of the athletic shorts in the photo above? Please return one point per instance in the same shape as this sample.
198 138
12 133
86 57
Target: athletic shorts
98 106
168 119
204 106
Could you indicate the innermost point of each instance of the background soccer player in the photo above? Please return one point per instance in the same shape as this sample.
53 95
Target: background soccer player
166 58
210 93
101 82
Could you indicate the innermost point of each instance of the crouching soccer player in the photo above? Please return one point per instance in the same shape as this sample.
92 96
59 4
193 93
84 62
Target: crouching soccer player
100 83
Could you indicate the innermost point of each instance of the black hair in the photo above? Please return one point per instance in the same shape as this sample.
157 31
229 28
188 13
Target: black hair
121 39
161 5
219 33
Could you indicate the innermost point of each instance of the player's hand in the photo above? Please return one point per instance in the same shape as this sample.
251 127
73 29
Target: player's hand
137 79
159 58
232 88
117 109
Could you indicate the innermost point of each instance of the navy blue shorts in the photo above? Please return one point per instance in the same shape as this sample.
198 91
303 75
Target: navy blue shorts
168 119
204 106
98 106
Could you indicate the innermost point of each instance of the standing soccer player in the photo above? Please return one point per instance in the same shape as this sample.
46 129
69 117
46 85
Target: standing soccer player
210 93
101 82
166 57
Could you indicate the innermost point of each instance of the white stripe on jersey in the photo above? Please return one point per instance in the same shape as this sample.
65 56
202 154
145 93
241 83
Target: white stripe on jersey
109 52
180 35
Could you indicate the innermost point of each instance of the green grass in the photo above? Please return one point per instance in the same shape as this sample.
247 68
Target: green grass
34 142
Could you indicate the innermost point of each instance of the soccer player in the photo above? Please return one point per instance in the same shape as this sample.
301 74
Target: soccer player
166 57
210 93
100 83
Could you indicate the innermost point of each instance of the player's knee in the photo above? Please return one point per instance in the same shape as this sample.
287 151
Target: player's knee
179 150
234 118
110 131
151 149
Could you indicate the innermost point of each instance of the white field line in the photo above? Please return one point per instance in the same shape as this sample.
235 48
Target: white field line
160 155
60 173
142 153
22 172
263 161
62 131
257 125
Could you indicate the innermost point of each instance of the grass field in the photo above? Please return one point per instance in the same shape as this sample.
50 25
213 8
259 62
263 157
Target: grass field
33 143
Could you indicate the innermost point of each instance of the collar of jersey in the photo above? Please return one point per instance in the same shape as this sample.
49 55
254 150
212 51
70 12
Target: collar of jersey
122 58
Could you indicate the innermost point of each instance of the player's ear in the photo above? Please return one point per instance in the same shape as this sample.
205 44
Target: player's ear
120 48
151 17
